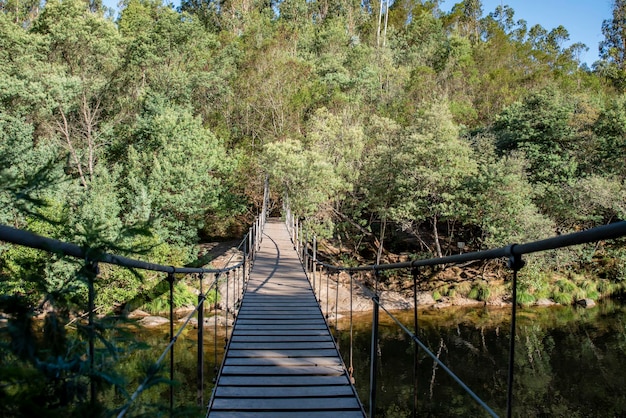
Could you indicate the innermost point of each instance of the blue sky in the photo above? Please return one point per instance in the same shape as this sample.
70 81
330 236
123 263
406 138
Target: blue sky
582 18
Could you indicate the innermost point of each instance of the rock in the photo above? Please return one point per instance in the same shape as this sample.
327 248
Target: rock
425 298
138 313
463 301
210 321
153 321
586 303
545 302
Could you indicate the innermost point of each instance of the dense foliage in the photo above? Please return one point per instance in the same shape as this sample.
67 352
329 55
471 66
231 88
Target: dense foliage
420 127
146 132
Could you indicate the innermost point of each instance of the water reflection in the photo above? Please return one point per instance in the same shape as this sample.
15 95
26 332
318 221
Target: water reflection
569 362
134 365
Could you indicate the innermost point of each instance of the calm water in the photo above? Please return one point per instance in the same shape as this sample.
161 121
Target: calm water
570 362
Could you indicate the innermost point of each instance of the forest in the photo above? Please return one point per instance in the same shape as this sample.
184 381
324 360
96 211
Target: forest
395 129
390 129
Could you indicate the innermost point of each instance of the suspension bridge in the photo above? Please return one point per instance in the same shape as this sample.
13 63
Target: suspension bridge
281 359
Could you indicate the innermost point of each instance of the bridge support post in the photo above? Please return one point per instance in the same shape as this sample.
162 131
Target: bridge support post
91 271
415 273
515 263
314 264
170 279
201 298
374 355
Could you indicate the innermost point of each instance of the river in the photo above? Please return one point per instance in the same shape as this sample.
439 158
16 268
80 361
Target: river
569 362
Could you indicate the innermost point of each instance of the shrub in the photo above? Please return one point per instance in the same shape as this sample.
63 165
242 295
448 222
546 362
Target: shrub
464 289
565 286
480 292
525 298
563 298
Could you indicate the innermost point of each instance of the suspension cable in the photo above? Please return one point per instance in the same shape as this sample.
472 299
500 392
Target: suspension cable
337 308
351 368
215 368
415 273
439 362
515 263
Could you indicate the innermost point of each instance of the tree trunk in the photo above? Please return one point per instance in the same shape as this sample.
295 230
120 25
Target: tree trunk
379 253
380 16
436 234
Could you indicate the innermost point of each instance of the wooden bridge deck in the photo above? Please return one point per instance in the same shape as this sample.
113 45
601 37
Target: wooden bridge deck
282 360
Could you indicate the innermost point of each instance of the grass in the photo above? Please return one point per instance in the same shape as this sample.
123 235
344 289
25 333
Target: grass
563 298
182 297
525 298
480 292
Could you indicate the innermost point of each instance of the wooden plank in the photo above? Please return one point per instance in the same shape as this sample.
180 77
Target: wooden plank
292 404
278 322
283 327
281 353
287 361
279 309
282 392
269 315
281 345
279 332
275 370
280 338
283 380
290 414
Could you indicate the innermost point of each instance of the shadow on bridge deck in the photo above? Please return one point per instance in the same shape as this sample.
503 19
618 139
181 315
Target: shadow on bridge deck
281 359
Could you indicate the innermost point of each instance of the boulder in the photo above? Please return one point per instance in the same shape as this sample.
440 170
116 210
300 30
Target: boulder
153 321
586 303
545 302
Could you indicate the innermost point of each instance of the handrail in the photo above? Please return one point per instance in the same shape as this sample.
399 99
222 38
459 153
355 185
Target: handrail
93 256
605 232
32 240
512 252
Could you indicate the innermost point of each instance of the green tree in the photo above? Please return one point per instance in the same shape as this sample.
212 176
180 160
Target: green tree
307 180
612 49
500 199
84 48
173 172
610 131
418 176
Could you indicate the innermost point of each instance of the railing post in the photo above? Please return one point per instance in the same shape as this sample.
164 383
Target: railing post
170 279
226 310
201 343
374 355
295 233
216 288
515 263
314 263
415 273
250 244
259 233
300 238
91 271
244 266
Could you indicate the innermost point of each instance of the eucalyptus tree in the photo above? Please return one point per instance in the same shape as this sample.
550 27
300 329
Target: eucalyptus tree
612 48
83 47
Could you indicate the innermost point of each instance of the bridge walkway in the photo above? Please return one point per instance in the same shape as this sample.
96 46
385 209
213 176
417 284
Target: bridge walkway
281 360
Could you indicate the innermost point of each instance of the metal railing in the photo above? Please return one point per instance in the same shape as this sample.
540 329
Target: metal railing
93 257
307 250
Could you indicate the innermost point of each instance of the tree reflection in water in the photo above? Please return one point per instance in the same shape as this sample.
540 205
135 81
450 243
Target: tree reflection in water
569 361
